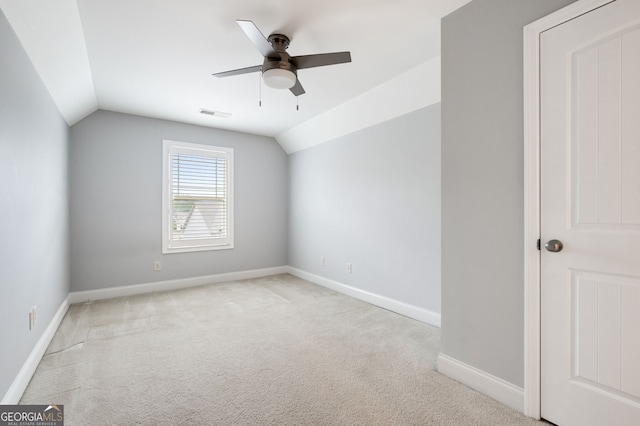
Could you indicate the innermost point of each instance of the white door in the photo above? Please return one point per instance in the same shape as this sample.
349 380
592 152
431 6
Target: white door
590 201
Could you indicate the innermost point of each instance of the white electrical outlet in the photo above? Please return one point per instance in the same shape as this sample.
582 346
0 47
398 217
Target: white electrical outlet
157 265
349 268
33 317
322 261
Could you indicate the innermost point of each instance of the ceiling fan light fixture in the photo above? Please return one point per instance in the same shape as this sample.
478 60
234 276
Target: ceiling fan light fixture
278 78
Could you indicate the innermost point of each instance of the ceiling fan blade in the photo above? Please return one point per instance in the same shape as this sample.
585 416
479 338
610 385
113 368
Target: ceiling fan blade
257 38
297 88
320 60
239 71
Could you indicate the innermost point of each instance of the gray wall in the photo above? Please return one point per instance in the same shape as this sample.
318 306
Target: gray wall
372 198
116 191
34 255
482 183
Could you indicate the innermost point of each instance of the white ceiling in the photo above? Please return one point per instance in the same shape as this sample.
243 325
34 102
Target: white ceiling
155 57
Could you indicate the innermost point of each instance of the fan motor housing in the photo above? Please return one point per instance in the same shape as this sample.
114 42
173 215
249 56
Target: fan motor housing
280 42
283 65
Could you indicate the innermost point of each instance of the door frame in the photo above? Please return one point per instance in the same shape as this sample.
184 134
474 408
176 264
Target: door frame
532 172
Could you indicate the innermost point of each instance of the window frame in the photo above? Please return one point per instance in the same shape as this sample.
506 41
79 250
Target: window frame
169 245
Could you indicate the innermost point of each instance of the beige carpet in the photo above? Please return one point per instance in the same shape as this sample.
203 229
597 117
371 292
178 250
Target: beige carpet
276 350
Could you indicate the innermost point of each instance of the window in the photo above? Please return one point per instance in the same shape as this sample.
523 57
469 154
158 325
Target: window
197 197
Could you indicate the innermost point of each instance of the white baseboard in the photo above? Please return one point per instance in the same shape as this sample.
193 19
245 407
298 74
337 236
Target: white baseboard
405 309
23 378
131 290
494 387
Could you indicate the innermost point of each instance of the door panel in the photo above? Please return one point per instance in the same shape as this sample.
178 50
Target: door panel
590 200
606 121
605 324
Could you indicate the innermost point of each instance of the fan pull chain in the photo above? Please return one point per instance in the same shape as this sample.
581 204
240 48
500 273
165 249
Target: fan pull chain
260 89
297 103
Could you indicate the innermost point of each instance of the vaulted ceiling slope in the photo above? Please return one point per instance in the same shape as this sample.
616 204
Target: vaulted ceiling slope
155 57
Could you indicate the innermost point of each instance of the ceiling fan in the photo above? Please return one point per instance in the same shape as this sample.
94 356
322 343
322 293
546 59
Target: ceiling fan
279 69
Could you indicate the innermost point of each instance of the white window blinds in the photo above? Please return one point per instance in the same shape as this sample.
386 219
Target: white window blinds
197 197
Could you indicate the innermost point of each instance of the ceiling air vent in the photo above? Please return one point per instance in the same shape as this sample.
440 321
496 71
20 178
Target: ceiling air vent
215 113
